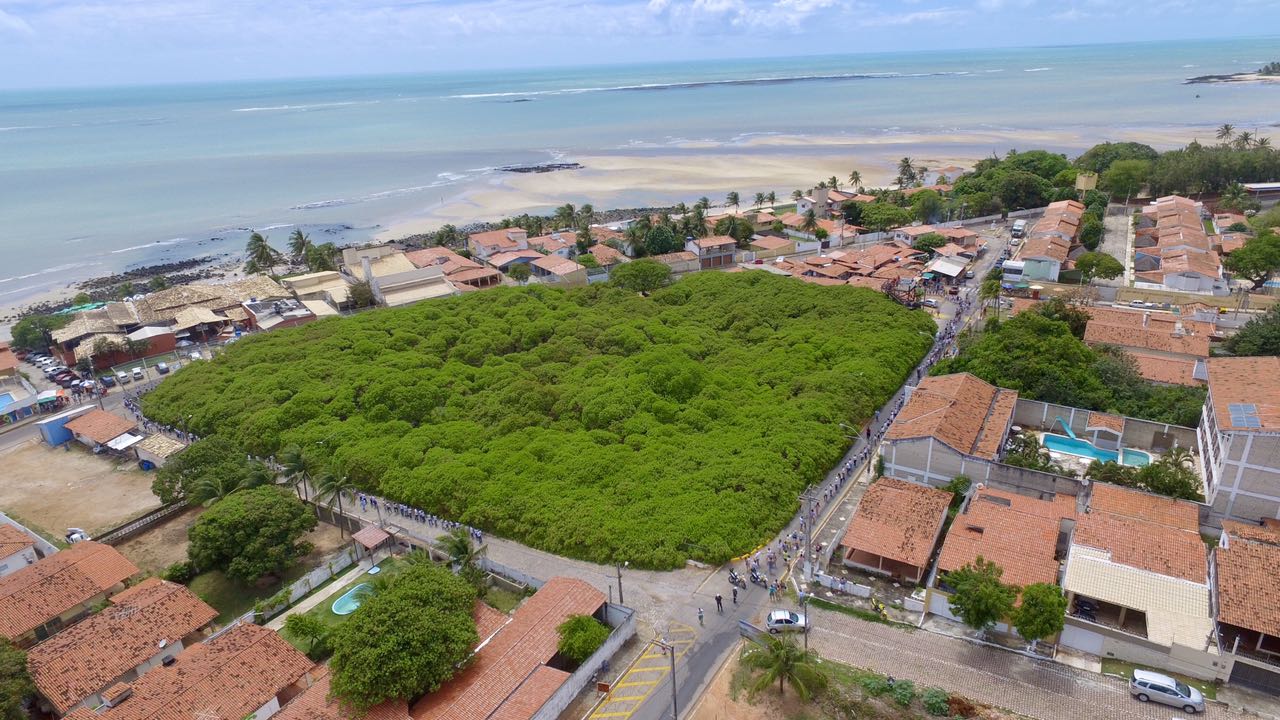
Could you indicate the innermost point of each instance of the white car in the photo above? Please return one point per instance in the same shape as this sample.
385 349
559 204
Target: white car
780 621
1149 686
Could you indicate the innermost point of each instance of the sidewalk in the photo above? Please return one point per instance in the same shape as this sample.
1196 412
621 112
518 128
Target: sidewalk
316 598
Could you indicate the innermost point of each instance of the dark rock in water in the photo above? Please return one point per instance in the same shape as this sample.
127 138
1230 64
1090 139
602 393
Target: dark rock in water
1233 77
520 100
541 167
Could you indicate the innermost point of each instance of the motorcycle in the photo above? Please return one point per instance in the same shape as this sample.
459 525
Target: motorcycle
736 580
758 579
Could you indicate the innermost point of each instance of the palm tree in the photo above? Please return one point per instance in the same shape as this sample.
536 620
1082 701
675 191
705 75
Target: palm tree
759 200
906 172
833 183
810 223
1244 140
1179 456
261 256
855 179
1225 132
134 347
705 203
213 487
565 216
330 488
102 346
1262 142
586 214
460 548
797 194
298 244
782 660
732 200
297 469
772 198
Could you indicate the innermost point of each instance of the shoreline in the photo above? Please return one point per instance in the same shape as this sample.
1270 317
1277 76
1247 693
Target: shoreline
649 177
1242 77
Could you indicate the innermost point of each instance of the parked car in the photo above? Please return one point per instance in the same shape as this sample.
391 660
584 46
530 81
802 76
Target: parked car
1149 686
930 302
784 621
162 368
123 378
138 374
107 381
195 355
969 274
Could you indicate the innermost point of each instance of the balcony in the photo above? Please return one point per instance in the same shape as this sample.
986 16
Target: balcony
1249 643
1110 615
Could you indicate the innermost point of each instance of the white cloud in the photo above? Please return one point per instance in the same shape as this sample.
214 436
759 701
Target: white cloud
913 18
15 24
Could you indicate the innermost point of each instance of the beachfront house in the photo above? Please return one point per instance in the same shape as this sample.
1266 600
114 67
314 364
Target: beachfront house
329 286
714 251
562 271
1239 439
142 628
894 529
39 600
482 245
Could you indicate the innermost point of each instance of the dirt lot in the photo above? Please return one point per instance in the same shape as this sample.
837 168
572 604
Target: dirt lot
53 490
162 546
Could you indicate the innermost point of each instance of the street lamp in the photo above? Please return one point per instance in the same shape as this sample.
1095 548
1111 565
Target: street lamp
619 567
804 605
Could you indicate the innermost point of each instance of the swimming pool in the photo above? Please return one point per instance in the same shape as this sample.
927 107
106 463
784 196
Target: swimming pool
351 599
1084 448
5 398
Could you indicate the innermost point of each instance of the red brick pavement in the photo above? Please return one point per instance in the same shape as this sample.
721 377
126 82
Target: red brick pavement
1037 689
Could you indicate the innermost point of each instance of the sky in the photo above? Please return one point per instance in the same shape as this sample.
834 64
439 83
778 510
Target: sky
50 43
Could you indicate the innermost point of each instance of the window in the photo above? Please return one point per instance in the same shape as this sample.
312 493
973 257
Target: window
1183 690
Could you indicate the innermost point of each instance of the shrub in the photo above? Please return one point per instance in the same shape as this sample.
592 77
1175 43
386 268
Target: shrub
961 707
874 685
936 701
179 572
904 692
580 637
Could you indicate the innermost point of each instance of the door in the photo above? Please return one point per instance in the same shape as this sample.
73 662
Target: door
1081 639
1255 677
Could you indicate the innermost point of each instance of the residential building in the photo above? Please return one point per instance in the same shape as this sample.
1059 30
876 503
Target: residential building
1166 348
330 286
484 244
99 428
713 251
396 281
315 703
606 257
511 676
895 528
962 236
1247 599
1043 257
157 449
17 550
681 261
277 314
561 244
555 269
464 273
1020 534
950 425
353 257
246 673
1173 251
143 627
1138 562
911 233
8 361
40 599
771 246
1239 438
505 260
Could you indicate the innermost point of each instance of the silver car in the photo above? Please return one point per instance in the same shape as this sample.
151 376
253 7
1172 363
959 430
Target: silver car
1153 687
784 621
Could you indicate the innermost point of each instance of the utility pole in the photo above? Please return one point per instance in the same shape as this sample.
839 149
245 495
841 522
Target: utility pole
671 653
619 567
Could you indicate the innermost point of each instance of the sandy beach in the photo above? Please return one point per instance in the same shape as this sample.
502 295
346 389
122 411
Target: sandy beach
778 163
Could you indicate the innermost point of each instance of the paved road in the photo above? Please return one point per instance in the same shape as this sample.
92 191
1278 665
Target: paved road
1035 688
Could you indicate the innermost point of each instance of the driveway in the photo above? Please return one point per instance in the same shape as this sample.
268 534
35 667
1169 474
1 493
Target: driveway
1035 688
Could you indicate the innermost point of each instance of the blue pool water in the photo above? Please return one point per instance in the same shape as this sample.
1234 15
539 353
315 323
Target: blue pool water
5 399
351 599
1084 448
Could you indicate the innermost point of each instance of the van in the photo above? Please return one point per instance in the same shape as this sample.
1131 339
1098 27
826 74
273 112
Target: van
123 378
162 368
1149 686
1019 228
138 374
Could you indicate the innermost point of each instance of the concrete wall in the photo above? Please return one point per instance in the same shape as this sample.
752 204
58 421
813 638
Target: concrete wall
1141 434
1201 664
623 621
1242 472
44 548
929 461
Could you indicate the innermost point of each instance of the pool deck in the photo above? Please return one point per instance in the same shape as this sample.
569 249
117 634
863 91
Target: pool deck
277 623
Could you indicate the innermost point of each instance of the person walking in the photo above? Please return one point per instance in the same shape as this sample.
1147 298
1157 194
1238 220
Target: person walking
700 622
735 594
719 603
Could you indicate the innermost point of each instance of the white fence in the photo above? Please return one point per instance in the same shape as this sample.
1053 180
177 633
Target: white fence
43 547
312 580
841 585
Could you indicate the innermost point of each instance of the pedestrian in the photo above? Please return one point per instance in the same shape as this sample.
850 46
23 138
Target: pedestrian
735 594
773 591
719 603
700 622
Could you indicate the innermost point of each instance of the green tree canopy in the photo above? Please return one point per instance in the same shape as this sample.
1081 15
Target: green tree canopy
519 272
1041 613
1256 260
361 294
738 228
15 684
929 242
1259 336
1099 264
591 422
1099 158
1091 232
926 205
879 216
310 629
978 596
35 332
661 240
212 462
251 533
780 660
580 637
407 639
642 276
1126 177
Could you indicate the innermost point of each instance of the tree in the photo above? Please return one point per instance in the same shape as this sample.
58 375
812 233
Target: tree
1170 479
855 179
298 244
407 639
907 174
1236 197
566 216
1091 232
1073 314
102 347
251 533
361 294
738 228
580 637
851 210
833 182
797 194
519 272
1098 264
258 253
297 469
1259 336
879 216
464 555
309 628
1041 613
158 283
780 659
1100 157
978 597
1225 132
810 222
320 258
330 489
209 463
135 347
213 488
127 289
449 236
772 198
15 684
1126 177
660 240
731 200
704 202
926 205
1256 260
586 214
81 298
929 242
759 200
1020 189
641 276
35 332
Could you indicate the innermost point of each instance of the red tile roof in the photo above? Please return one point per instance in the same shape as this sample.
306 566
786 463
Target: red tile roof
315 704
967 414
1106 421
100 426
1165 369
370 536
1016 532
898 520
41 592
1248 594
86 657
226 678
1246 381
1144 531
13 540
502 666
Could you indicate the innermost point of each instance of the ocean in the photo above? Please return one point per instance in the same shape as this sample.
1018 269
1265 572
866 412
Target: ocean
99 180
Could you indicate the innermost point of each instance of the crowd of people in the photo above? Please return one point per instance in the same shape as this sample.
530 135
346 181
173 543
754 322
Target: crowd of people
418 515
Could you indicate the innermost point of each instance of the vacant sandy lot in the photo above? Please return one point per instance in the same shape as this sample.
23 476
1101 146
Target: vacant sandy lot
57 489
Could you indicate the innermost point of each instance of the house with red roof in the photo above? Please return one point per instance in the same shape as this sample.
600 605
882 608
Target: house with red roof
42 598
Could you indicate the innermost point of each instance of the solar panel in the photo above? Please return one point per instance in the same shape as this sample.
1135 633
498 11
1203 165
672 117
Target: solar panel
1242 409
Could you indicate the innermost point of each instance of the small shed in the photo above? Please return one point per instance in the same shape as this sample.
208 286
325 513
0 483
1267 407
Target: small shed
54 429
99 427
370 538
157 449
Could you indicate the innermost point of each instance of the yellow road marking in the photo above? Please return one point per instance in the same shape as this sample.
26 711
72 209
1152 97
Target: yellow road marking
635 683
681 637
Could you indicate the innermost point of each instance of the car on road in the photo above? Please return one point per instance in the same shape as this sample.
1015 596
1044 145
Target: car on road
123 378
138 374
1149 686
107 381
780 621
195 355
162 368
930 302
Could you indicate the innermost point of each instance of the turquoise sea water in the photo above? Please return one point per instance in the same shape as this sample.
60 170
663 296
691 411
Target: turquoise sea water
93 181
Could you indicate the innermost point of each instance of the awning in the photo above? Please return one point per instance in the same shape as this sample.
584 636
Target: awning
48 395
124 441
927 275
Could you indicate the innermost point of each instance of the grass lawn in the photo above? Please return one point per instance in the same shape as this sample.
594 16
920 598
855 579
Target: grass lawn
1111 666
232 599
324 611
504 601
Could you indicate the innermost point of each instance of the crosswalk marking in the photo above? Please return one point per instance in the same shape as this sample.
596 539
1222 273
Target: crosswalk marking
623 703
